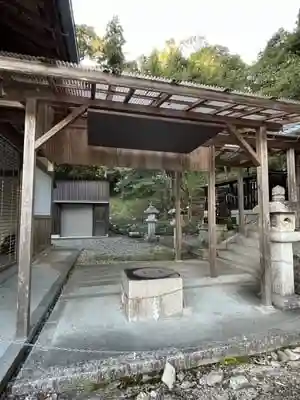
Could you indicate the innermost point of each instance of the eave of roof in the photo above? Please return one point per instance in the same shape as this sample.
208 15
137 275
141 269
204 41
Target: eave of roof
139 93
67 21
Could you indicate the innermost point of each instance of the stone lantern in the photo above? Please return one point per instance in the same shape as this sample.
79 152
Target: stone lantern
151 220
282 236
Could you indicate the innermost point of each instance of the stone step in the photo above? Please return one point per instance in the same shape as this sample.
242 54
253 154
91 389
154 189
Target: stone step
247 241
252 233
240 267
238 260
251 251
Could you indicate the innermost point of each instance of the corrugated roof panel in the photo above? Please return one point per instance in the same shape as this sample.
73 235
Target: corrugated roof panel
204 110
255 117
218 103
118 98
121 89
173 106
271 112
149 93
100 96
225 112
101 86
139 100
186 99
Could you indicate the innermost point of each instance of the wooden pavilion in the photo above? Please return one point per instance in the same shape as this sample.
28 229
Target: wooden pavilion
77 115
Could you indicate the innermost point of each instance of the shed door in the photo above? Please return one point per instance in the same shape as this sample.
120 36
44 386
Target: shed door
77 220
101 219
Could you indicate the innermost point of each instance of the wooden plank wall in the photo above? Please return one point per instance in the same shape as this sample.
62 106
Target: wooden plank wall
81 190
42 227
70 146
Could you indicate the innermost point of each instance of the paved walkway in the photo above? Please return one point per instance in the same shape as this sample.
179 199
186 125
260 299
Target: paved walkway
88 339
48 274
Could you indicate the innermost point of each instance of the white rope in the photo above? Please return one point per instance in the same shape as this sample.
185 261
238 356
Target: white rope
119 352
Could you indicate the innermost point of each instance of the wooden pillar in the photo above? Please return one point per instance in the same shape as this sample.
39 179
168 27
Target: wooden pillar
298 190
241 201
264 216
291 181
211 213
25 235
178 231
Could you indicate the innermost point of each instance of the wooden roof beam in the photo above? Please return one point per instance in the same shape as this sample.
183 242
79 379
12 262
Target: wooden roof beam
20 91
244 145
93 76
60 125
162 98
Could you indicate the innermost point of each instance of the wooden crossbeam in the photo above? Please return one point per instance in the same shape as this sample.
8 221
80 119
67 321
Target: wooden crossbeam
128 95
244 145
76 113
23 90
225 108
158 102
195 105
93 76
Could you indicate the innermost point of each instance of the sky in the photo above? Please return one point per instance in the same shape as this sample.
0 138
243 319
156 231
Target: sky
242 26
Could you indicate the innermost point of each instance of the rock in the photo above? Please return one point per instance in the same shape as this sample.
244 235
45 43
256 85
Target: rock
187 385
223 396
261 369
291 355
238 382
294 364
282 356
296 350
180 376
249 394
275 364
274 356
169 375
212 379
143 396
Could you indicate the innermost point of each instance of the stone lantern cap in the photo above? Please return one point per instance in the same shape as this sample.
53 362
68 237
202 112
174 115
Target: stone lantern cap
282 218
278 194
151 210
277 205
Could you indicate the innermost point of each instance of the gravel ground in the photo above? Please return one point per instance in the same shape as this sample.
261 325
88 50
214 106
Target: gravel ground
274 376
275 380
112 245
97 250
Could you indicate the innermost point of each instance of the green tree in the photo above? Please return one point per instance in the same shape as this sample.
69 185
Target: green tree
89 43
214 65
151 65
277 70
113 57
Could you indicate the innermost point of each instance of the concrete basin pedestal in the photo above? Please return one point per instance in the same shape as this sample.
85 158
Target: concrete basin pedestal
151 293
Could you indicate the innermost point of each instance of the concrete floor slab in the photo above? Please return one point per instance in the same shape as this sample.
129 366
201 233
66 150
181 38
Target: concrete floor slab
88 336
49 271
